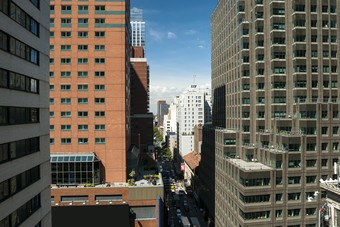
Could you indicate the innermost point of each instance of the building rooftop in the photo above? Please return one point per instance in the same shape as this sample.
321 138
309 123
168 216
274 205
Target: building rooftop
248 166
192 159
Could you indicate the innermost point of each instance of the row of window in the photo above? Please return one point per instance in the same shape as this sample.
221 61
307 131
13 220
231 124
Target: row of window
81 87
98 127
16 81
81 34
67 114
80 100
17 149
80 21
80 140
18 48
97 47
20 16
19 216
80 7
18 115
17 183
83 74
80 61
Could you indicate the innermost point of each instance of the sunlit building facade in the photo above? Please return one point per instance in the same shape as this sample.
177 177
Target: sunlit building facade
275 109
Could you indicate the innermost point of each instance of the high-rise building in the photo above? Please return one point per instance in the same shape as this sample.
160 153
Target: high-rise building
141 118
276 109
90 86
93 160
191 112
137 27
162 109
24 132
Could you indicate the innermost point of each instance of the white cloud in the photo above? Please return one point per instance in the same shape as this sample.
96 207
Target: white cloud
155 35
201 46
171 35
190 32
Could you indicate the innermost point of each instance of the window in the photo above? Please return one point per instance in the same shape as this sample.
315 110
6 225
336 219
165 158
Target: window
65 127
82 100
82 74
18 48
51 87
83 127
99 114
51 115
83 87
324 162
99 127
65 87
99 21
99 87
65 22
83 22
324 130
335 130
65 61
65 7
20 16
65 74
99 34
51 60
51 140
82 114
65 114
82 60
18 115
83 140
99 140
99 100
65 140
16 81
99 74
100 8
51 74
83 8
99 47
19 148
83 34
17 183
310 179
51 47
65 47
65 100
82 47
99 60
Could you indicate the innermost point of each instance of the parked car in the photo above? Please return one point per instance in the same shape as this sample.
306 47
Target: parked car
179 213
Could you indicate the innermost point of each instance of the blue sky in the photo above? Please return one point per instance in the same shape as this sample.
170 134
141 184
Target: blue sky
177 45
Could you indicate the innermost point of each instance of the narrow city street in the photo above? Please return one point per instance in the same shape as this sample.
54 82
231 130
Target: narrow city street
181 209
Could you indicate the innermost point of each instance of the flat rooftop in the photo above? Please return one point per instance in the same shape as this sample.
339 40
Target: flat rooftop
248 166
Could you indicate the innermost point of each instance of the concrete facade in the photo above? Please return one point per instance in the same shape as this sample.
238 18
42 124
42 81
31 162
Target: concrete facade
275 85
24 114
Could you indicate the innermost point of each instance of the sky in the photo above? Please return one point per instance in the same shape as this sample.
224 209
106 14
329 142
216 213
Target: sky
177 46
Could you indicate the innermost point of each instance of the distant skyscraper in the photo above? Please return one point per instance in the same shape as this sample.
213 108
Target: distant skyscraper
137 27
162 109
24 112
275 86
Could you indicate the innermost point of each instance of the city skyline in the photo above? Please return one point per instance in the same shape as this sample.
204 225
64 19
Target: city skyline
178 53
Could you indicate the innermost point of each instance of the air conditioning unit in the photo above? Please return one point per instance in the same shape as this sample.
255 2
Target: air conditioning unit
267 130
